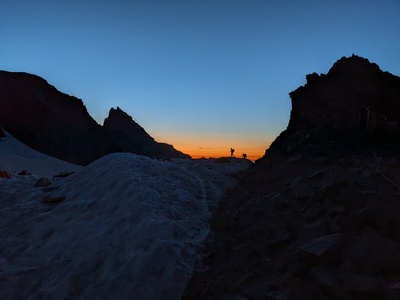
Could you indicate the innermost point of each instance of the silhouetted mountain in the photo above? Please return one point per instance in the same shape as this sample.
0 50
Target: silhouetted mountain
47 120
129 136
318 216
59 125
355 99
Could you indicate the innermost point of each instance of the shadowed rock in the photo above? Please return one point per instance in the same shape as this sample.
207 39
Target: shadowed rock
320 245
128 136
354 100
47 120
59 125
2 134
318 216
42 182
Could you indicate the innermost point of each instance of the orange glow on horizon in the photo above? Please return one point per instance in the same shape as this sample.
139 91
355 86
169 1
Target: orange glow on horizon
253 153
249 157
216 154
210 144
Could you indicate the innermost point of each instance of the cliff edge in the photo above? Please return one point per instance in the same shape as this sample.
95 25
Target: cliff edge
318 216
59 125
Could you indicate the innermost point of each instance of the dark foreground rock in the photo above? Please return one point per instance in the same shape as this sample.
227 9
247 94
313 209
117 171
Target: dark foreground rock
319 216
59 125
2 134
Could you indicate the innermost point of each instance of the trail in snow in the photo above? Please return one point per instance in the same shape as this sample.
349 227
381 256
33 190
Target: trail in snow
130 227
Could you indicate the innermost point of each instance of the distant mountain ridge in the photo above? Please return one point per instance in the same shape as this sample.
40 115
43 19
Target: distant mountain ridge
59 125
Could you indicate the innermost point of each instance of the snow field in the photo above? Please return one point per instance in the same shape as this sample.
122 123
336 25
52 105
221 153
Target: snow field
130 228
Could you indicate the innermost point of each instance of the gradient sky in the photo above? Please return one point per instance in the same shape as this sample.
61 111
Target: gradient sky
201 75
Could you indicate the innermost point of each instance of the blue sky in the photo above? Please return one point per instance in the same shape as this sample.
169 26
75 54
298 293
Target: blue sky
202 75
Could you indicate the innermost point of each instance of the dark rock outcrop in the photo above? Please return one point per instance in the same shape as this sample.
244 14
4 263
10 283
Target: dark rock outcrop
59 125
355 95
5 174
42 182
128 136
354 100
2 134
47 120
319 216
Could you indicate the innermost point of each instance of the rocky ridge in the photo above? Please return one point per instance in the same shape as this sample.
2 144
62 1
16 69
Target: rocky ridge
59 125
129 136
318 216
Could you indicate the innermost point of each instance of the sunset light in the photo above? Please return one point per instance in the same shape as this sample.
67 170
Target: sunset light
200 149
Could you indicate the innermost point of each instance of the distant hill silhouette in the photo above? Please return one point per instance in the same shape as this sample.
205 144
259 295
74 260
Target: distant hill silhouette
59 125
318 216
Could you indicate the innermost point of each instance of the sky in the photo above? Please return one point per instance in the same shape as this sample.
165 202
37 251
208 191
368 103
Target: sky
202 75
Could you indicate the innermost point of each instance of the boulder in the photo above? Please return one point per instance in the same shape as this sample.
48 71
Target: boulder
373 256
320 245
63 174
42 182
52 200
357 283
5 174
24 172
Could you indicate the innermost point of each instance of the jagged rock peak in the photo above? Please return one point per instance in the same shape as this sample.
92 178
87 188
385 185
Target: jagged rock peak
352 89
129 136
355 99
118 114
118 111
120 120
353 64
351 68
59 125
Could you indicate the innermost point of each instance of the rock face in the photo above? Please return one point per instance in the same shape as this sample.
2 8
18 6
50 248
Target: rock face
47 120
319 216
354 95
59 125
2 134
128 136
354 100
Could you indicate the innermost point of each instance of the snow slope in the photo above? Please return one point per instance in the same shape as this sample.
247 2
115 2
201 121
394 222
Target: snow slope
16 156
130 227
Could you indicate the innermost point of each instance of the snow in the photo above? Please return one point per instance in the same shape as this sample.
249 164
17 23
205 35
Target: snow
130 227
16 156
